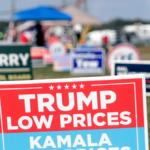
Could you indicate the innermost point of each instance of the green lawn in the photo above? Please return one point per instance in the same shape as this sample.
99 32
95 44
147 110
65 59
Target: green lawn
48 73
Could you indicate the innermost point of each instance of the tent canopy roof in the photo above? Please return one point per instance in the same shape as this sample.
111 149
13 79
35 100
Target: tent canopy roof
41 13
80 17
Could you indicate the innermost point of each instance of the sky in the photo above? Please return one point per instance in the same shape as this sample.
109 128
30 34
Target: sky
103 10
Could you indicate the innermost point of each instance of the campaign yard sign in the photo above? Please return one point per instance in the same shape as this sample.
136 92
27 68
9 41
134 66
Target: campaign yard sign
38 57
61 62
122 52
98 113
133 67
15 62
87 62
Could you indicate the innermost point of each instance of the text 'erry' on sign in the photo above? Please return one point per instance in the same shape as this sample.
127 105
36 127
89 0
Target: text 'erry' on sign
15 62
96 113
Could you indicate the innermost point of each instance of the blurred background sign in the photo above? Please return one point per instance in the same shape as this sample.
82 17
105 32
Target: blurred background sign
15 62
61 63
133 67
57 48
122 52
37 57
87 62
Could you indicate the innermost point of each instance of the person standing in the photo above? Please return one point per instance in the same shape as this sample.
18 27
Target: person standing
39 37
105 42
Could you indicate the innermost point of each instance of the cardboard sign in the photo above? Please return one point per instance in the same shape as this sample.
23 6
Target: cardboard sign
133 67
107 113
61 62
57 48
87 62
37 56
122 52
48 59
15 62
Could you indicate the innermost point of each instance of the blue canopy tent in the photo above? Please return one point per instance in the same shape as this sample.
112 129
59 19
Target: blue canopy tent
41 13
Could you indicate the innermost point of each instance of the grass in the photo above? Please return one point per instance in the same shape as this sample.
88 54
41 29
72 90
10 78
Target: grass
48 73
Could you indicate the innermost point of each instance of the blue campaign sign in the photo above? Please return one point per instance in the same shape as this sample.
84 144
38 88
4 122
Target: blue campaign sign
87 62
133 67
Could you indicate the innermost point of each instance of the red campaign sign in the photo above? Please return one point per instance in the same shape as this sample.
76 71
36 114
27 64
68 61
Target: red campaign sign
73 104
0 124
48 58
37 52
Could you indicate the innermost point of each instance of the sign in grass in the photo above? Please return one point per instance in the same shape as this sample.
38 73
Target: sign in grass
99 113
15 62
87 62
133 67
122 52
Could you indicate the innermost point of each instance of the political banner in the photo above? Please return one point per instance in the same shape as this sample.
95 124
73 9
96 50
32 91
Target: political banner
57 48
15 62
48 58
87 62
133 67
38 57
61 62
97 113
122 52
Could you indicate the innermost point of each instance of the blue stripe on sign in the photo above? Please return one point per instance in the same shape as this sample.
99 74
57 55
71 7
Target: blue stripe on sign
80 139
1 142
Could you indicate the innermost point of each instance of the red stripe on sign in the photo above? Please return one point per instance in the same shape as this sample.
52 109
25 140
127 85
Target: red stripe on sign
78 105
147 81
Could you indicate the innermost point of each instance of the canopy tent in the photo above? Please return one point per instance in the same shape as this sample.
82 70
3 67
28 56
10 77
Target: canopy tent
41 13
80 17
27 25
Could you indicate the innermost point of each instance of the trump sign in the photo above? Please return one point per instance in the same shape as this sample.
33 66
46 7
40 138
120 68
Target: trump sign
107 113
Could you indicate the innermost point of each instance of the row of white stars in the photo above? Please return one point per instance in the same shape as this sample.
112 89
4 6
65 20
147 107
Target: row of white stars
67 87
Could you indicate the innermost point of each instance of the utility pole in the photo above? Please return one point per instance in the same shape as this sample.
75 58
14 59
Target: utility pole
80 2
64 3
13 6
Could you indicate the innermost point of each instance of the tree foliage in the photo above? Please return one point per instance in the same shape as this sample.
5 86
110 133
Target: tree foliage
118 23
3 26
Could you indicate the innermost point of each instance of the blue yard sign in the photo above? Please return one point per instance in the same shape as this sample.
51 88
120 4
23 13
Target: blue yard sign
133 67
87 62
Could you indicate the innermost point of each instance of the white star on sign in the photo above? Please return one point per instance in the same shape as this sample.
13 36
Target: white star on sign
59 87
74 86
51 87
81 86
66 87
